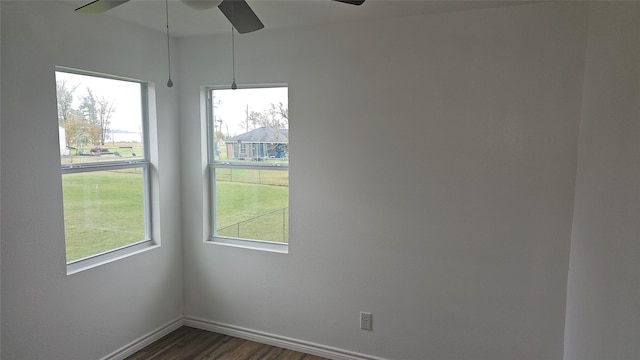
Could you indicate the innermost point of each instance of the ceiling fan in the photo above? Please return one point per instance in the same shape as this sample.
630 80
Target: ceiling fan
243 19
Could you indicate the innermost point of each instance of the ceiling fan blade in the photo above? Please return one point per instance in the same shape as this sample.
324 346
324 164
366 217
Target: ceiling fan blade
352 2
99 6
243 19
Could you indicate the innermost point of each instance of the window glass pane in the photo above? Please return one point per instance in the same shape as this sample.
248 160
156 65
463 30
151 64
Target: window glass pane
103 210
249 130
252 204
99 119
250 124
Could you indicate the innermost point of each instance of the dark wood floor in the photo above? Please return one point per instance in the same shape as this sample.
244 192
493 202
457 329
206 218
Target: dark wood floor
188 343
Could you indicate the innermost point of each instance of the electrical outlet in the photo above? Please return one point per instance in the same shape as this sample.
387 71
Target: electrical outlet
366 321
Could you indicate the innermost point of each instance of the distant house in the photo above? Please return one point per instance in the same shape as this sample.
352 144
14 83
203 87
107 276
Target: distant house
260 143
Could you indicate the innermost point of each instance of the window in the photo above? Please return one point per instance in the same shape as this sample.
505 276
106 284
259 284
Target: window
249 166
104 158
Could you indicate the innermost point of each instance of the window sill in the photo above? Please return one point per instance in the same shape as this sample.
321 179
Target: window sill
282 248
108 257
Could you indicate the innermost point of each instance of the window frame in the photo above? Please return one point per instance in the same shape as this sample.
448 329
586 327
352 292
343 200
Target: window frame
144 164
213 164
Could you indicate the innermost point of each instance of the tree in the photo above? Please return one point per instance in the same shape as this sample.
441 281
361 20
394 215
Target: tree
280 111
68 117
105 110
64 94
89 114
97 112
257 119
276 116
218 134
77 131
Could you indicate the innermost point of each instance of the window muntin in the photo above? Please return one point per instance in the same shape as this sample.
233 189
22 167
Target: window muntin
104 159
249 162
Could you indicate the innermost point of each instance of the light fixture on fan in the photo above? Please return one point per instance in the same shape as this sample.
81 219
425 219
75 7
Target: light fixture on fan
238 12
245 20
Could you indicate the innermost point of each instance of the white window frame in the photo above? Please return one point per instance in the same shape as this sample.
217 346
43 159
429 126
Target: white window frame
143 164
212 164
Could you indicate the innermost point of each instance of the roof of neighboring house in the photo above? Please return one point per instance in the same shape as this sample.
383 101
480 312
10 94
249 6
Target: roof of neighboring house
265 134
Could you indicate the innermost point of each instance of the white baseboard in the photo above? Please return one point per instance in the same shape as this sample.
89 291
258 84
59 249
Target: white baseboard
276 340
145 340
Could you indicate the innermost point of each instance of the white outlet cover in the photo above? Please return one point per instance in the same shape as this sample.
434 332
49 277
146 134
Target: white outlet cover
366 321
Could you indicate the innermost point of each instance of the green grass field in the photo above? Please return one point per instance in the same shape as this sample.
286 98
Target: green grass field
103 210
252 211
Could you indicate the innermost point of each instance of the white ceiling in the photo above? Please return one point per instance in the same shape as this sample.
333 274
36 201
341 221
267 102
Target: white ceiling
185 21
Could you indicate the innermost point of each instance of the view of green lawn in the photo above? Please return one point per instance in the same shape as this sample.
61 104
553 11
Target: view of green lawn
103 210
252 204
252 211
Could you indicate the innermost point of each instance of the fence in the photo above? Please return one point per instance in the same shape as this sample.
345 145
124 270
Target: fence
251 176
271 226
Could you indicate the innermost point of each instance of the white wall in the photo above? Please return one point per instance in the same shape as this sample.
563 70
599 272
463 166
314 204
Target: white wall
432 183
45 313
603 307
432 177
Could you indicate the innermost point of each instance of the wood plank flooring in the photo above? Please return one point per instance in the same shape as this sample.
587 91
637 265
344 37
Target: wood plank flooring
188 343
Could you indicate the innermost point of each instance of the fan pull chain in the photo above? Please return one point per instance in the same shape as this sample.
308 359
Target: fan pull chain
169 83
233 59
233 50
